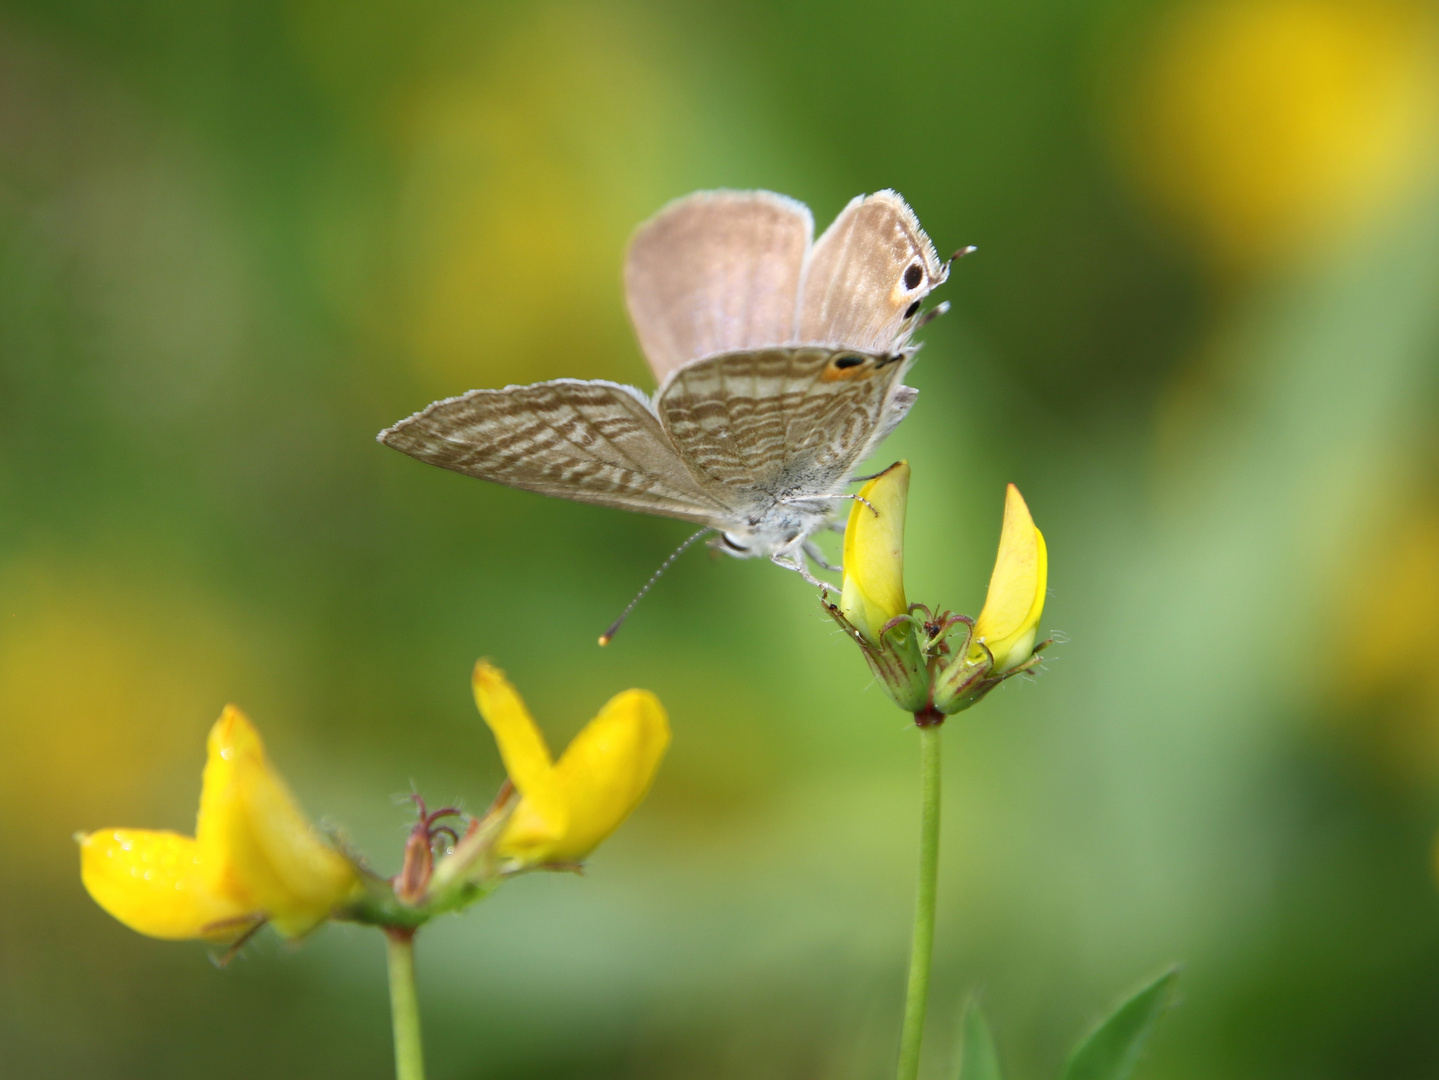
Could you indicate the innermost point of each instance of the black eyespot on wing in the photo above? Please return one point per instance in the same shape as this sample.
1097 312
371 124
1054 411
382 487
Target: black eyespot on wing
843 362
913 276
909 311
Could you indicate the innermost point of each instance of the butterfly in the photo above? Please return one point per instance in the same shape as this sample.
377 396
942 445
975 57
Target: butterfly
780 362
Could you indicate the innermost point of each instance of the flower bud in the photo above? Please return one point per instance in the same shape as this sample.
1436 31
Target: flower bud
874 553
1006 626
1001 641
873 593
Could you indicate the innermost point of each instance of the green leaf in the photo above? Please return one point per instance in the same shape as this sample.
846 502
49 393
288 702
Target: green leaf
1112 1049
977 1059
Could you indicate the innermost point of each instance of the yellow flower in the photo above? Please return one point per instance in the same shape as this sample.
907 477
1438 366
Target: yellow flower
567 807
254 856
874 552
1011 612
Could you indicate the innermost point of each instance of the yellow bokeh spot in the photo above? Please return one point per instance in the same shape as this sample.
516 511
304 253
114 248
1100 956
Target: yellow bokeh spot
524 177
1269 127
101 682
1385 683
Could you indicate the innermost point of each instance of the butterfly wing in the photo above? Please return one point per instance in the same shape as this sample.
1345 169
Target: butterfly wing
592 442
714 272
866 276
782 423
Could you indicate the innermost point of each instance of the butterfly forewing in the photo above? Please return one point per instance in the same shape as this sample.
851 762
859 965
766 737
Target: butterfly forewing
867 275
594 442
767 424
714 272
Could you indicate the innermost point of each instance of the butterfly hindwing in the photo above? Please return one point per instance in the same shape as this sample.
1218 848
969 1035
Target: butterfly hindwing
589 441
780 423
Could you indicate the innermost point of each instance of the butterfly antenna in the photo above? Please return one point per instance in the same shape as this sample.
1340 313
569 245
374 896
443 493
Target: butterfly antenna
614 629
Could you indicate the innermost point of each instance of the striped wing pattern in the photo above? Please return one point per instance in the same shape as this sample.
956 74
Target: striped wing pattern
764 424
589 441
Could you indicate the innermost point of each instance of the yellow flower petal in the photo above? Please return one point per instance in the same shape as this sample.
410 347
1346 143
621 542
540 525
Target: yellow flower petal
874 552
542 815
153 883
1016 588
255 842
606 772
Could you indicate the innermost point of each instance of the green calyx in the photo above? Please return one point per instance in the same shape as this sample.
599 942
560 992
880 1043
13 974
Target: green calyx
930 666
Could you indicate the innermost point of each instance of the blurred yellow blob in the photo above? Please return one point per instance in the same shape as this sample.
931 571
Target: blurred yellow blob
100 679
874 552
1010 617
525 175
254 856
1393 607
1387 684
567 807
1268 127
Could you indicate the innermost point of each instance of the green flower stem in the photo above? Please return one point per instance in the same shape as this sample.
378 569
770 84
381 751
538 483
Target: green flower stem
404 1005
921 949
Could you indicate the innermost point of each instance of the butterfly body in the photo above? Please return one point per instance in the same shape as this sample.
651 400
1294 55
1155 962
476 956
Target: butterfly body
777 434
780 364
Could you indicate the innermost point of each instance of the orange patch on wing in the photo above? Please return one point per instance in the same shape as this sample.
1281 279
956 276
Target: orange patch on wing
850 367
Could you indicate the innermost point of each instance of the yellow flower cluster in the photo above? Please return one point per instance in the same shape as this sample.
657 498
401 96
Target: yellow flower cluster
911 657
255 857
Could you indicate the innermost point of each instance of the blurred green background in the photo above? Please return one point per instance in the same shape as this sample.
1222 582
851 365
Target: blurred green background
238 238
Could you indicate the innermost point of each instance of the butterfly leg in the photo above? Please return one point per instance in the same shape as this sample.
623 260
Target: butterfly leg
797 565
816 555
